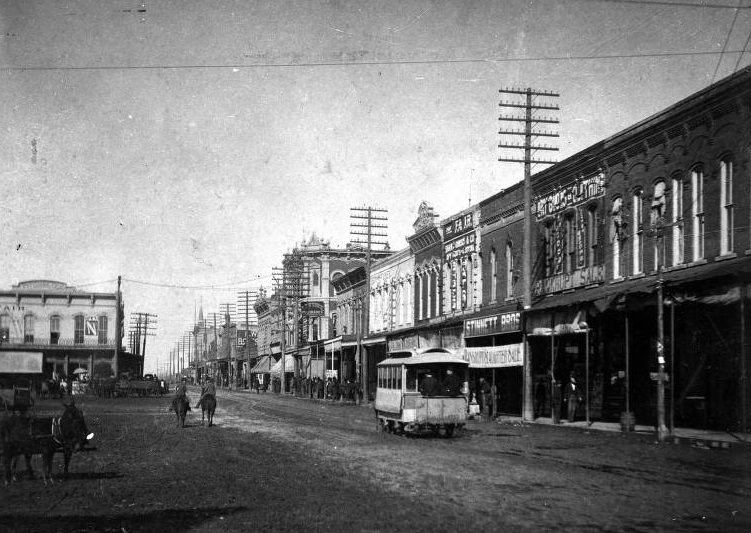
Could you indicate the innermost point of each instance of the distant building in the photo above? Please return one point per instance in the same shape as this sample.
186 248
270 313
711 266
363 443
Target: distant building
48 328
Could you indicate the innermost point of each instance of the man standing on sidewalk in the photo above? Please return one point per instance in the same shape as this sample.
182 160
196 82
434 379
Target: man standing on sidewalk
571 395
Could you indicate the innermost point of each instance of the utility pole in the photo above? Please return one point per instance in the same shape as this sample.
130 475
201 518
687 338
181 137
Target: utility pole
145 325
244 303
292 282
657 229
529 108
229 311
118 330
370 223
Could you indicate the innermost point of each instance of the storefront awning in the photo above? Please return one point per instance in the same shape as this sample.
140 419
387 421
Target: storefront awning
263 366
289 366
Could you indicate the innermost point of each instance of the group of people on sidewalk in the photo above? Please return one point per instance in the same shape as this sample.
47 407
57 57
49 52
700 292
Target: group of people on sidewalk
567 403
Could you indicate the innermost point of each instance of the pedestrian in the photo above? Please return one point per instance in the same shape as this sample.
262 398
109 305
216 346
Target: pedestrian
540 397
486 393
572 395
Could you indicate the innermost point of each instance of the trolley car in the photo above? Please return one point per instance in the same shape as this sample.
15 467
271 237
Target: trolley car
415 392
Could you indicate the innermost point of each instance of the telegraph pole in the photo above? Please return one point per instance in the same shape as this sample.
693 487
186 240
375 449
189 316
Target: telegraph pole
529 108
145 325
368 222
292 282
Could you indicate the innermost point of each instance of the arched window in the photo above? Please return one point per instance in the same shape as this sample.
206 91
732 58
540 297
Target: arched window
657 221
54 329
726 206
493 275
28 329
570 243
593 236
509 269
697 213
4 328
637 244
617 229
676 220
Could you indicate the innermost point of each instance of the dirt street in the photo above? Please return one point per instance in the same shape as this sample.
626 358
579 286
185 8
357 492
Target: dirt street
283 464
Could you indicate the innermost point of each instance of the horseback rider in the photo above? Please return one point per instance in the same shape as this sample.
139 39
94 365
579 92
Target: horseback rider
208 389
181 393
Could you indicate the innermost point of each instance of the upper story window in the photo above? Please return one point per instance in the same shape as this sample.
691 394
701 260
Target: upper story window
548 247
677 221
28 329
4 328
617 230
593 236
54 329
78 325
657 221
570 244
509 270
726 207
637 260
697 213
102 330
493 275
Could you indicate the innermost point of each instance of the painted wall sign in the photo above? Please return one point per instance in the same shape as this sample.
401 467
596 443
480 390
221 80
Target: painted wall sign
489 325
577 278
494 356
458 226
571 195
459 247
20 362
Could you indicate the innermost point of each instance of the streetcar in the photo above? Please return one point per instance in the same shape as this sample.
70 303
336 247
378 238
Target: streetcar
421 391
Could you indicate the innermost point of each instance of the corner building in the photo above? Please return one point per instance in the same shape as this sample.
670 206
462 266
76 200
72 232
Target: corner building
661 206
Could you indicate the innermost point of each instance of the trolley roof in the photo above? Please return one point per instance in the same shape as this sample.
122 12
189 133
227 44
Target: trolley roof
423 356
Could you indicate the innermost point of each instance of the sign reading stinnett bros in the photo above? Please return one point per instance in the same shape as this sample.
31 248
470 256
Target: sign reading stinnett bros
489 325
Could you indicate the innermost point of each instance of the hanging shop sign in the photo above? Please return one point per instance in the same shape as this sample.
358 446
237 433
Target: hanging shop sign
240 338
313 308
508 355
571 195
577 278
490 325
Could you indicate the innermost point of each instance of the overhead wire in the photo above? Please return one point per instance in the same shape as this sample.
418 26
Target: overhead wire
367 63
727 40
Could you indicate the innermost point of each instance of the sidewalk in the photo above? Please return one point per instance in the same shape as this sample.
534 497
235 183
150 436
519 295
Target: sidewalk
699 438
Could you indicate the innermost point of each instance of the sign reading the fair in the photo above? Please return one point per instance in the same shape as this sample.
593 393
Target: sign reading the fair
494 356
458 226
489 325
577 278
571 195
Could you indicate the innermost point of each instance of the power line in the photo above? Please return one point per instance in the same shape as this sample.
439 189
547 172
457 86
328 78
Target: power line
727 40
672 4
745 45
217 287
374 63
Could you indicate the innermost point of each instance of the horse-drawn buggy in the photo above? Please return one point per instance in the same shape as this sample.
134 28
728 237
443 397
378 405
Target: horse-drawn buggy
26 434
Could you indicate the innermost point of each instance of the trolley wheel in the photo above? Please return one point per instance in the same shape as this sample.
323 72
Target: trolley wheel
449 431
380 425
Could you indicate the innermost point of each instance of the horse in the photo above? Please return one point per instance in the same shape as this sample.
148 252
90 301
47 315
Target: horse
50 389
208 406
181 406
21 434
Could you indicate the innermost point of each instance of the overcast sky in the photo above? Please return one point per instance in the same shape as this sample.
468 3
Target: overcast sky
192 143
